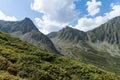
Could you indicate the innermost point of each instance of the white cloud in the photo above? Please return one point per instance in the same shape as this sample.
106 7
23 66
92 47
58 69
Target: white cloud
46 26
115 11
93 7
86 24
55 13
6 18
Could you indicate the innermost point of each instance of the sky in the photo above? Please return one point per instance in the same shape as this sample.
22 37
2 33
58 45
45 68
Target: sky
53 15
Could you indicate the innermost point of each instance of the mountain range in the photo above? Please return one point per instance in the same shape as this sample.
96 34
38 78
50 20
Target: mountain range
100 46
20 60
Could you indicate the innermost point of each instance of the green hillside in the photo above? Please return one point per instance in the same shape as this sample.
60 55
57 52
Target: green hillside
20 60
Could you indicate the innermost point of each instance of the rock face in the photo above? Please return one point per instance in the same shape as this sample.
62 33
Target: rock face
27 31
109 32
69 34
23 26
99 46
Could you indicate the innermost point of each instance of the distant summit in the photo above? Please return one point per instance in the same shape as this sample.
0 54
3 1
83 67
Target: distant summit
23 26
109 32
27 19
69 34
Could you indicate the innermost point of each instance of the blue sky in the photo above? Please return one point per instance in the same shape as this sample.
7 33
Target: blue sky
53 15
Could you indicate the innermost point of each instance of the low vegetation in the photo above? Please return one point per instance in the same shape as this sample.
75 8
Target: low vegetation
20 60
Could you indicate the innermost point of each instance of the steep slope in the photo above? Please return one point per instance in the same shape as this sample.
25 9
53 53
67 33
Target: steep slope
68 38
20 60
107 37
69 34
109 32
99 46
27 31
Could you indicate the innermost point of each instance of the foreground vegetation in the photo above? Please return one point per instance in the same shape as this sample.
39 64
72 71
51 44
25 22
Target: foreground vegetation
20 60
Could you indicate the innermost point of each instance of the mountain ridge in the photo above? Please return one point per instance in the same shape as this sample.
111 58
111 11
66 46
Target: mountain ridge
101 45
26 30
114 22
109 31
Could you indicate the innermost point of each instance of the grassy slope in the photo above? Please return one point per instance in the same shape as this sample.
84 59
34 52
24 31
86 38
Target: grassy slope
93 53
20 60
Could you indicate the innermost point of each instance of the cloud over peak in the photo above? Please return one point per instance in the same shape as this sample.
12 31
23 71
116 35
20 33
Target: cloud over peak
86 23
61 11
56 14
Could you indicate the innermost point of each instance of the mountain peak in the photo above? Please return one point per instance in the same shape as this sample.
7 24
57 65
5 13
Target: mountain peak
68 28
23 26
27 25
26 19
69 34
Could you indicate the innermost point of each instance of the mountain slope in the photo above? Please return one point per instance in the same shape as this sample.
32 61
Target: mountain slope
99 46
68 38
107 37
27 31
20 60
110 32
69 34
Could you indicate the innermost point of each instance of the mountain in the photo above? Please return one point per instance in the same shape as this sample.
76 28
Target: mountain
26 30
69 34
99 46
106 37
68 38
109 32
20 60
